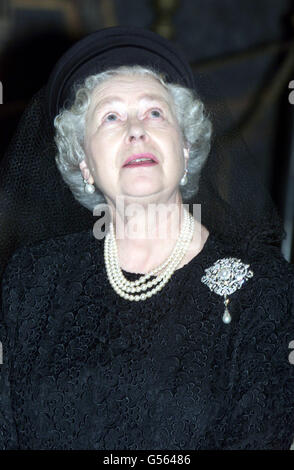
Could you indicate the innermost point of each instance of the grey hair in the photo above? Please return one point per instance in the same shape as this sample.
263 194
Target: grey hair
70 130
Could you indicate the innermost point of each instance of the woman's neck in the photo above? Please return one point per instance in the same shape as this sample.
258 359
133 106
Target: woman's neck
147 237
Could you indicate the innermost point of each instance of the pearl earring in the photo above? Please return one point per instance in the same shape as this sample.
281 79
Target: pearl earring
89 188
184 179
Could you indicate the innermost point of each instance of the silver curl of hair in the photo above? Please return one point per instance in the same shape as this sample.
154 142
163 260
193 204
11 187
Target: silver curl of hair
70 130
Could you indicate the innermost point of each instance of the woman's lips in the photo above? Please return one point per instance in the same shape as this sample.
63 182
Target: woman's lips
134 164
129 163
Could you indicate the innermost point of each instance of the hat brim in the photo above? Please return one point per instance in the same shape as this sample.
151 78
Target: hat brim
109 48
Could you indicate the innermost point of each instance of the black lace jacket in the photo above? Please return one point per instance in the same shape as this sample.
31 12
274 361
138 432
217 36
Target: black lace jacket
85 369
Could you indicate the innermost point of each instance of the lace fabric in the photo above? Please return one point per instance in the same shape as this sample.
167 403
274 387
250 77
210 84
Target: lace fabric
83 370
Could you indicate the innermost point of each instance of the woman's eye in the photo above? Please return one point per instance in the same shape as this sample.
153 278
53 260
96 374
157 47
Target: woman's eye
155 113
111 117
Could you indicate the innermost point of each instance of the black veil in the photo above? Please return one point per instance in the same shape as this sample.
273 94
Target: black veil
235 203
35 204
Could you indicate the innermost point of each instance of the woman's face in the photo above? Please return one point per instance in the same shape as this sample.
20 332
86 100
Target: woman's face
133 116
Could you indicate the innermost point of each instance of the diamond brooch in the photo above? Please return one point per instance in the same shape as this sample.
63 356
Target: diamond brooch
224 277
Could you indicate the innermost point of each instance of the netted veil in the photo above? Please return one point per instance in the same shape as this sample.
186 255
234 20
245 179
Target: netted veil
35 203
236 205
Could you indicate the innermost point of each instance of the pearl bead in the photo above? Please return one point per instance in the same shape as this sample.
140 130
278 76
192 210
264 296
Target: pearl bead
89 188
227 317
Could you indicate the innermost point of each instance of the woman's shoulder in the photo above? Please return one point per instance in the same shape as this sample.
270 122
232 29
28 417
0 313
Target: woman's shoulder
272 282
53 256
263 258
269 264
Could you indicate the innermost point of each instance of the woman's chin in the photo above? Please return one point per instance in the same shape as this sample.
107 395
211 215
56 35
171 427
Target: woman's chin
142 188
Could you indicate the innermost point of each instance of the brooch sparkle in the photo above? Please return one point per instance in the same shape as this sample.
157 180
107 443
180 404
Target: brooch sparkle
224 277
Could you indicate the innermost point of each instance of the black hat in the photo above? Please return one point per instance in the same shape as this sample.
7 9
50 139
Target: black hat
110 48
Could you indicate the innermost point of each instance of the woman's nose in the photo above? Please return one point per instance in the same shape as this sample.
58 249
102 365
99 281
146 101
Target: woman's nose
136 131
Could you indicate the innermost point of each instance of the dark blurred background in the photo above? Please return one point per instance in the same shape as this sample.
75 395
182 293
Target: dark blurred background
247 46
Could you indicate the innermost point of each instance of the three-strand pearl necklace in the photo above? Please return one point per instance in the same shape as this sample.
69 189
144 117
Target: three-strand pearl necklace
130 289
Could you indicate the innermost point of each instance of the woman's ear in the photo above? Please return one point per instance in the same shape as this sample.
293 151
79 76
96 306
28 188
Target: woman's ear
86 172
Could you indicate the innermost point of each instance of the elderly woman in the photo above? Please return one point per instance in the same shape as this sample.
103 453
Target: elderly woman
158 335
